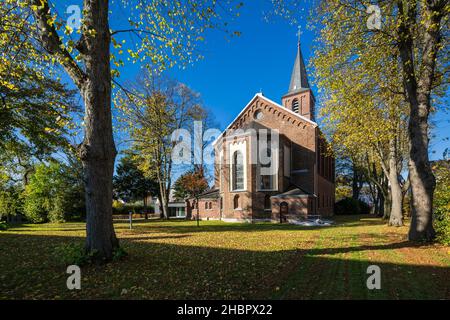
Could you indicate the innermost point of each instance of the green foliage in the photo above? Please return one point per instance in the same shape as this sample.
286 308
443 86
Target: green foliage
442 202
52 193
179 191
130 184
349 206
36 107
73 253
122 208
343 191
3 226
119 254
11 201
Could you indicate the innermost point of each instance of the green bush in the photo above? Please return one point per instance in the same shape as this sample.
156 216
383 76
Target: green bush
3 226
364 207
119 254
127 208
53 192
35 209
11 200
442 202
73 253
349 205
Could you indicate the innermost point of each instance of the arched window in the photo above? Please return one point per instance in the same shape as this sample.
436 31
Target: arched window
206 205
238 171
267 203
295 105
210 205
266 181
221 203
236 202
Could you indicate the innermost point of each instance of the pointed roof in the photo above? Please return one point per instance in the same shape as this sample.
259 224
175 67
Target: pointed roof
267 100
299 78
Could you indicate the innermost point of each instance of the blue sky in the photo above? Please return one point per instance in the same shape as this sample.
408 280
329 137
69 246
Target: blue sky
232 71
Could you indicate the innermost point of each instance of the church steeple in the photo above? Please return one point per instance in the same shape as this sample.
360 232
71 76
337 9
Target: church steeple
299 98
299 78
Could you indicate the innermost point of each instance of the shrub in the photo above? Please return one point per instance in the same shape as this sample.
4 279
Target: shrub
73 253
35 210
364 207
119 254
3 226
442 202
351 206
127 208
53 191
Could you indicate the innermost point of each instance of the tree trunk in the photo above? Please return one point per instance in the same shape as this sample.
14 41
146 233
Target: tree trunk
376 208
161 214
165 206
145 208
422 189
380 204
387 206
164 196
355 183
418 86
198 212
98 152
396 216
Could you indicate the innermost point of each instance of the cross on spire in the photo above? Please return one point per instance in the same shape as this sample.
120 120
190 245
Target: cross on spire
299 33
299 78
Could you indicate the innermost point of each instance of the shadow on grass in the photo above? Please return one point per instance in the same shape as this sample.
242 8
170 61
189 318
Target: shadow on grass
190 226
186 226
170 271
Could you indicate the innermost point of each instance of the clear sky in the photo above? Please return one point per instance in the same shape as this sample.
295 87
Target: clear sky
261 59
232 71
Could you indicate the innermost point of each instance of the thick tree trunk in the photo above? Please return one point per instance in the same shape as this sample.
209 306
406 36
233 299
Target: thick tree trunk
396 216
98 152
418 86
422 189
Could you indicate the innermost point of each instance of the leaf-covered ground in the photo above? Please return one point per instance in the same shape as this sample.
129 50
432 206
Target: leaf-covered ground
177 260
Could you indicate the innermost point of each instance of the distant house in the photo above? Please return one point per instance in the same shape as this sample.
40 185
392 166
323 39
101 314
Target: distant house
177 207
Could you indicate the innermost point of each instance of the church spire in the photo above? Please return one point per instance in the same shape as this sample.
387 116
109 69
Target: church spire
299 79
299 98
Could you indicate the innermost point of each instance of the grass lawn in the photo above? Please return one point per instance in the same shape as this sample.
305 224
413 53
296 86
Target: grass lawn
177 260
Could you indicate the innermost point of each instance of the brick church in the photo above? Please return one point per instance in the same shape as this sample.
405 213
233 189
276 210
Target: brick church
303 182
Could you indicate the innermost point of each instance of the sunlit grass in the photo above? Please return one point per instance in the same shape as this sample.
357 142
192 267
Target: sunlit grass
178 260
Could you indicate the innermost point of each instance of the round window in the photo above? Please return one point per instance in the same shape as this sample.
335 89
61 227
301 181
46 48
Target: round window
258 115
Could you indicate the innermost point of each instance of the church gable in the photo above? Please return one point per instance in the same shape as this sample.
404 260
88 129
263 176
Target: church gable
268 114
